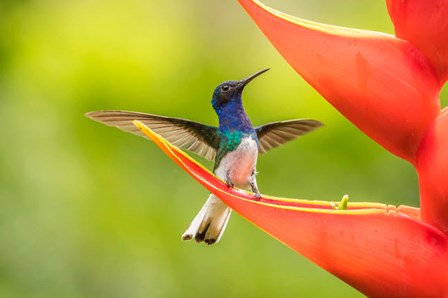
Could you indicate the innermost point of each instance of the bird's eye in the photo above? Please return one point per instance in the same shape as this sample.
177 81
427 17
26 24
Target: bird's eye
225 88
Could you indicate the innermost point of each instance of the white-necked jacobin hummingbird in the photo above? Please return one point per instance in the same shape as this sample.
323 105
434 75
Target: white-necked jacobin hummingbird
234 147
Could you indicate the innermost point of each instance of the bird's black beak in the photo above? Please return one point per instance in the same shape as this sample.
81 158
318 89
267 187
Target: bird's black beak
245 81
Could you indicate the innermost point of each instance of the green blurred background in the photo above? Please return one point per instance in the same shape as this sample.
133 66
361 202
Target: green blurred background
89 211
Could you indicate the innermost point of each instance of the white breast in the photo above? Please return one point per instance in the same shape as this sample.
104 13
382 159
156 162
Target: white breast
239 164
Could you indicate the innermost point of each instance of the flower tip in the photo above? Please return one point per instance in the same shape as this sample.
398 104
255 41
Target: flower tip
147 131
140 125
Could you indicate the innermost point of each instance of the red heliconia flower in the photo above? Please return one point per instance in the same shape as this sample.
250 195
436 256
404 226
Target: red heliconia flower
388 87
381 250
424 23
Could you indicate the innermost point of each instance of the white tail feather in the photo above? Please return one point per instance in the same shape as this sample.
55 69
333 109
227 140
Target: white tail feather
210 223
194 225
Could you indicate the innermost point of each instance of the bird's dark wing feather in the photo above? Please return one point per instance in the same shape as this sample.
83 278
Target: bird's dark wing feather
274 134
185 134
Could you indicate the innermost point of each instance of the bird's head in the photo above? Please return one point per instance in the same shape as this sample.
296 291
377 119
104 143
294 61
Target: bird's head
230 91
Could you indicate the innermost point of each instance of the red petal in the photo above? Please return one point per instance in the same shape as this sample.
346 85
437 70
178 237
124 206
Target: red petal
384 85
375 248
425 24
432 166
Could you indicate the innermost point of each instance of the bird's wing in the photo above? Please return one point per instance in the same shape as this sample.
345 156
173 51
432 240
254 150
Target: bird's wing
274 134
185 134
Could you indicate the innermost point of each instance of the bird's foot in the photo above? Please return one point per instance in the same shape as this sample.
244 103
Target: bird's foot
229 183
255 190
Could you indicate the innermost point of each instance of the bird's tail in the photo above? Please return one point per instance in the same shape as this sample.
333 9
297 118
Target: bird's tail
210 223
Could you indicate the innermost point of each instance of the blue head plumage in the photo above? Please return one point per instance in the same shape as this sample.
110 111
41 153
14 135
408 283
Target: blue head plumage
227 102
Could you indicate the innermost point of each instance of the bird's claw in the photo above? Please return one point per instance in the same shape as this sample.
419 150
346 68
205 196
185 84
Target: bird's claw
255 190
229 182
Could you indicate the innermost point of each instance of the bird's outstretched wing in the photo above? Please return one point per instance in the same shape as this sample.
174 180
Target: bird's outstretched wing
185 134
274 134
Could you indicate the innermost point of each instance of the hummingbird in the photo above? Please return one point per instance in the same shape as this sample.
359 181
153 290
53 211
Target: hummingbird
233 146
